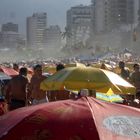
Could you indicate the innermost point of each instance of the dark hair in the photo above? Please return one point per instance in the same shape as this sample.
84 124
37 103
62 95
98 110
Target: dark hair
102 66
15 65
37 66
23 71
121 64
59 67
135 65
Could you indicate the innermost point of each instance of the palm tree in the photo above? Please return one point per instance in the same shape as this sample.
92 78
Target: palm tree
67 33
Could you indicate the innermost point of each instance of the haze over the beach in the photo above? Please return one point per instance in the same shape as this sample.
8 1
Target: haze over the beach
16 11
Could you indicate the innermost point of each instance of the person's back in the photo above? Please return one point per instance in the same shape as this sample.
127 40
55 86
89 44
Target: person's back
18 86
16 93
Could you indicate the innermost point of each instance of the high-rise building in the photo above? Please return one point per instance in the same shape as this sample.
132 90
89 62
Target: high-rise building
102 14
11 40
9 27
126 14
52 36
36 25
79 24
139 13
103 11
9 36
127 11
110 14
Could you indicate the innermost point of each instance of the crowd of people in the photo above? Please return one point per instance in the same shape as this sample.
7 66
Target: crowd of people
21 92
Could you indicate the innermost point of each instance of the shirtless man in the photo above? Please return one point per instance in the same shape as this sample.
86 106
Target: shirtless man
16 93
36 94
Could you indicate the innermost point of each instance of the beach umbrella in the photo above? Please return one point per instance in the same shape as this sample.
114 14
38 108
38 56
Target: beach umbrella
82 119
49 69
4 76
109 96
77 78
77 64
52 69
9 71
107 66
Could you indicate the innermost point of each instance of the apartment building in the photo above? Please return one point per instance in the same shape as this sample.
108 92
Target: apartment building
36 25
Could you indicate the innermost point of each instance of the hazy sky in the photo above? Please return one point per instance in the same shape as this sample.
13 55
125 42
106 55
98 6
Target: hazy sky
17 10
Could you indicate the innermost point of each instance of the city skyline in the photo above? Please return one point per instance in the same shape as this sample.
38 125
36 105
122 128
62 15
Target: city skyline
17 11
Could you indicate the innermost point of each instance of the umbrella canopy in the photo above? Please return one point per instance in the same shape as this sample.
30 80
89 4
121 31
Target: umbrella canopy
107 66
77 64
77 78
82 119
109 96
8 71
52 69
49 69
4 76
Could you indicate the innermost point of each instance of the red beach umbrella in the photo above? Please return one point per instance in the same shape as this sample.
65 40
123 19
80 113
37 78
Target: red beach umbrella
82 119
9 71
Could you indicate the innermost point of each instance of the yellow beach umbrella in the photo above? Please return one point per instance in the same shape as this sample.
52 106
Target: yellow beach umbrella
77 64
109 96
76 78
107 66
96 65
50 69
